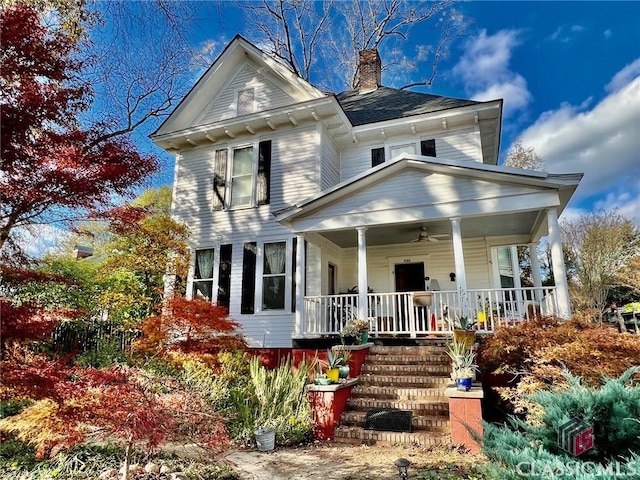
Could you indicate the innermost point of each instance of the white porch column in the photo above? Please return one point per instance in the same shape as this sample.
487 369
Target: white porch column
458 256
535 271
301 262
362 273
557 262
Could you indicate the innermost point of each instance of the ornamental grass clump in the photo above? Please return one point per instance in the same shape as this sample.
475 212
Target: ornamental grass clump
611 411
273 399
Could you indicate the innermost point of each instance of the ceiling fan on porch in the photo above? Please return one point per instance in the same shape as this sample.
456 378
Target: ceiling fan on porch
423 235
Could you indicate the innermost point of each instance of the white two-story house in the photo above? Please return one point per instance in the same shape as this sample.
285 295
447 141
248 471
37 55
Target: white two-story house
308 208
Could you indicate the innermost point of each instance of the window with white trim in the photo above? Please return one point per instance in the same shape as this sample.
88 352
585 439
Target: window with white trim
203 274
274 276
242 177
396 150
243 180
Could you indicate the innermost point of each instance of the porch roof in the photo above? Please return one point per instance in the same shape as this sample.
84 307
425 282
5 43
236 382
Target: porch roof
411 192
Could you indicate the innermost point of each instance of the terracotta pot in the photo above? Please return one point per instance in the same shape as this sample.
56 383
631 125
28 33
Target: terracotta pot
422 299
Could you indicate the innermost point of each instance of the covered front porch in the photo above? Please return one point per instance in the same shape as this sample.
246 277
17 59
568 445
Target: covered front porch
376 244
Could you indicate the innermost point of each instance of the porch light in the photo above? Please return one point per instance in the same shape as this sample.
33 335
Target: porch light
452 276
403 467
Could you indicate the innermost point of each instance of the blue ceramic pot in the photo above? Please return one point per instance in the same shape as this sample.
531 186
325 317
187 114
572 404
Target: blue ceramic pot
464 383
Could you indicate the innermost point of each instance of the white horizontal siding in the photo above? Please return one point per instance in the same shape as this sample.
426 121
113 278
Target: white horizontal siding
330 162
439 264
463 144
266 95
294 176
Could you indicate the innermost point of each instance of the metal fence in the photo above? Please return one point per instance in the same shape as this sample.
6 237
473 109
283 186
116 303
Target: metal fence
88 336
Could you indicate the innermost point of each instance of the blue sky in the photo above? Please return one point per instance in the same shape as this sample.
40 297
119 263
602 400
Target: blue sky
569 73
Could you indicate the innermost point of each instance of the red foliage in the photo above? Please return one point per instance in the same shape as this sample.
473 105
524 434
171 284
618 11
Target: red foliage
49 161
192 326
28 321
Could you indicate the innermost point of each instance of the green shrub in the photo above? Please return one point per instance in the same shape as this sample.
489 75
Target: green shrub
612 411
12 407
108 352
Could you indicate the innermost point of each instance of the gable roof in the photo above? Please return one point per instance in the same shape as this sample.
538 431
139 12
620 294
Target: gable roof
214 79
391 103
396 198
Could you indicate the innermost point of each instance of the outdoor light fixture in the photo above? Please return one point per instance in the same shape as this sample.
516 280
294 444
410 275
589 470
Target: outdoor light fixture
403 467
452 276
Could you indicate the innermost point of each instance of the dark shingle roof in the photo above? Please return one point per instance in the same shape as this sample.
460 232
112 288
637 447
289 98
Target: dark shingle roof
390 103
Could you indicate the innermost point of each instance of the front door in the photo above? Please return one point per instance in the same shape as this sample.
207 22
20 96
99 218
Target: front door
409 277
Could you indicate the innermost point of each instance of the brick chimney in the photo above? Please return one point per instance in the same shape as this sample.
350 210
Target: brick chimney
370 70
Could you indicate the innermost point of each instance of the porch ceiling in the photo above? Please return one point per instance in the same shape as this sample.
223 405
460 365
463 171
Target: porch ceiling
487 226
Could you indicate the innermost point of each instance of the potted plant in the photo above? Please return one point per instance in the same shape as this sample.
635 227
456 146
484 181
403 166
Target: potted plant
333 362
463 330
358 329
349 333
345 357
463 366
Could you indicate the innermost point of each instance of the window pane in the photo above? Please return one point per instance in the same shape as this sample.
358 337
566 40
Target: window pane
241 191
203 290
204 263
377 156
243 161
273 293
274 256
398 149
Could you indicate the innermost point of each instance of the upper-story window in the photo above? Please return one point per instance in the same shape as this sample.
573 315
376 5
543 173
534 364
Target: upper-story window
427 149
244 181
396 150
242 176
245 102
377 156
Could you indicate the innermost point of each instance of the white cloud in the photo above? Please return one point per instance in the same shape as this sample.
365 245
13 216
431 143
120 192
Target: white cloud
578 28
38 240
607 33
624 76
484 68
602 141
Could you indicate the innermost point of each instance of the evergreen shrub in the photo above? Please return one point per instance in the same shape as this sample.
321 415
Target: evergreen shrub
612 411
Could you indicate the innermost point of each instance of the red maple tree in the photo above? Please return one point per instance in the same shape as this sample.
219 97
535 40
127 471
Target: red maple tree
52 164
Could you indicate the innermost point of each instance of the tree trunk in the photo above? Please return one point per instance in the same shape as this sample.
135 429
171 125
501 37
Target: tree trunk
127 461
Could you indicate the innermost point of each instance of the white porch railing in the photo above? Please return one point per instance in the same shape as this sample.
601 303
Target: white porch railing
395 313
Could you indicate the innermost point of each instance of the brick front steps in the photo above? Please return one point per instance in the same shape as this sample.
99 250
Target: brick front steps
409 378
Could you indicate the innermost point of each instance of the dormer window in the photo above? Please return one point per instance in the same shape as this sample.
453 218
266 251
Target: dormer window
245 102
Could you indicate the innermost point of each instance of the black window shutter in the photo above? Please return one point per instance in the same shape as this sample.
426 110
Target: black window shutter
248 296
293 275
428 148
264 173
224 275
377 156
219 178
